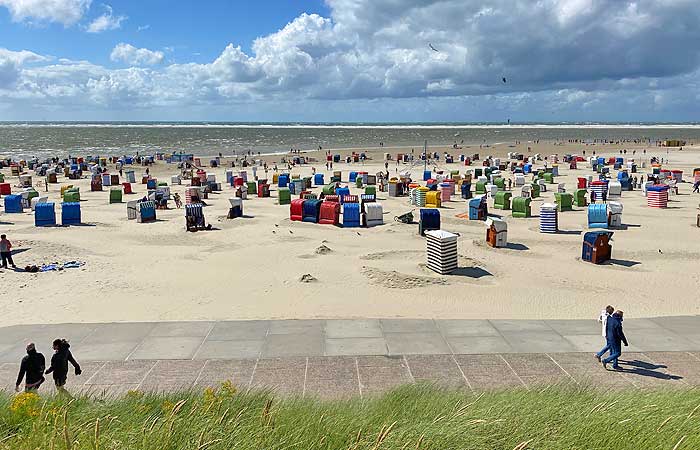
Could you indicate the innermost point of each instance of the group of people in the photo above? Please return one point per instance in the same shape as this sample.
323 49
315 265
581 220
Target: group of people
33 367
611 320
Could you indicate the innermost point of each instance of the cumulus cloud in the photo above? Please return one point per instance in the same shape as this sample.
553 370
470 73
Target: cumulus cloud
136 56
563 52
106 22
66 12
10 63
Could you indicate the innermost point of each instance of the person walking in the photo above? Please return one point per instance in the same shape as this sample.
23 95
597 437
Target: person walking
603 320
6 252
31 370
696 187
59 364
615 338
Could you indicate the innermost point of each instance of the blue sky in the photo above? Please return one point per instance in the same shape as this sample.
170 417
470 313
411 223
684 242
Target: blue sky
195 33
350 60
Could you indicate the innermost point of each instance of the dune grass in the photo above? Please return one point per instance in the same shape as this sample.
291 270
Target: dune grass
411 417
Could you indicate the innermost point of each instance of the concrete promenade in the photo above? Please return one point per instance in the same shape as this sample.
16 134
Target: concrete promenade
338 358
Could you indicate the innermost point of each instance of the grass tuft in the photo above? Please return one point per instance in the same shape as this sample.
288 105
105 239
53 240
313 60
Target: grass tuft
417 417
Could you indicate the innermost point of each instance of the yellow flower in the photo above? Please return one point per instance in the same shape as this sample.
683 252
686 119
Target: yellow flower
134 394
25 405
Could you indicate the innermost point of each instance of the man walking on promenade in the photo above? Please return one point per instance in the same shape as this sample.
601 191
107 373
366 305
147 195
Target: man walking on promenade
31 370
603 319
615 338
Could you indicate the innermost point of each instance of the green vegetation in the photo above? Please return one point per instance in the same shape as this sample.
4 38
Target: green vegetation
412 417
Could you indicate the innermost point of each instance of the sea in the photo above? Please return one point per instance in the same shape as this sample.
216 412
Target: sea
48 139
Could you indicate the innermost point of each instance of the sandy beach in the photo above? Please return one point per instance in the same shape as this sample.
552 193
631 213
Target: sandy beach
250 268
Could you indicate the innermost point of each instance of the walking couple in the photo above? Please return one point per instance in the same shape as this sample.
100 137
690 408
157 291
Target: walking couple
611 321
33 365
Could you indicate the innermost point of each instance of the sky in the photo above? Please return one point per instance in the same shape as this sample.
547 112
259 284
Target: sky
351 60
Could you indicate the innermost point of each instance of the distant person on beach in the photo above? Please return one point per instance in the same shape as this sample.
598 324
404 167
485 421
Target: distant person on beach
696 187
615 338
592 196
31 369
603 320
59 364
6 252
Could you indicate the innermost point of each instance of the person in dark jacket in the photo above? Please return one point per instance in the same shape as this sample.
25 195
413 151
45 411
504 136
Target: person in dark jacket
59 363
615 337
31 370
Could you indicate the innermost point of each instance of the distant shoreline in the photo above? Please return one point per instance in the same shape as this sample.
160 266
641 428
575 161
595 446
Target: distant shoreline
398 126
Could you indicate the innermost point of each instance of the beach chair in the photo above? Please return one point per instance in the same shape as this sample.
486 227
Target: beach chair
194 217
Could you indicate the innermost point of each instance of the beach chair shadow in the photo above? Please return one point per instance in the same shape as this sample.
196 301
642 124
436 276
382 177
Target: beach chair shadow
518 247
471 272
569 232
622 262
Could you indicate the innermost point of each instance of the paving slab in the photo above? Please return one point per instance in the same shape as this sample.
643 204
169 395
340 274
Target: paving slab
356 346
16 334
282 377
169 375
653 340
478 344
215 372
121 372
110 332
408 326
440 370
538 341
108 351
278 345
331 378
641 324
181 329
296 326
517 326
463 328
576 327
211 349
537 369
587 371
74 333
416 343
487 372
245 330
167 348
379 374
678 324
360 328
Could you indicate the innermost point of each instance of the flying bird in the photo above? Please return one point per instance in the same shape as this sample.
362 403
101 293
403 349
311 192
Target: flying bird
433 48
504 80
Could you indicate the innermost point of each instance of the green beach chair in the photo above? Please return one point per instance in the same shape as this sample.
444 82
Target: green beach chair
564 201
115 196
521 207
284 197
502 200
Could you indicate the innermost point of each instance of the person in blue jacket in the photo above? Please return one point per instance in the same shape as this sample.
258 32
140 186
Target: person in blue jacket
615 337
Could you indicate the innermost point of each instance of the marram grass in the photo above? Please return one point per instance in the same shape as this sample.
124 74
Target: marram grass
411 417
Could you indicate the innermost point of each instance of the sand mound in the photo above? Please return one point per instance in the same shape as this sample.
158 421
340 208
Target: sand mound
397 280
307 278
323 250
